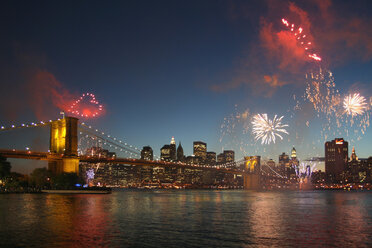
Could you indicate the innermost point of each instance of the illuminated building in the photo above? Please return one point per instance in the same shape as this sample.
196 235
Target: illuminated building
294 163
336 157
193 160
358 170
229 156
165 153
293 154
200 150
147 153
221 158
284 160
284 164
172 147
211 158
180 156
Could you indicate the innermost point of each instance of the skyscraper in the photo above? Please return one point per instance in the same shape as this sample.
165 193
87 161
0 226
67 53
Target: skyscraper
293 154
200 150
180 155
284 164
229 156
336 156
211 158
221 158
147 153
165 153
173 155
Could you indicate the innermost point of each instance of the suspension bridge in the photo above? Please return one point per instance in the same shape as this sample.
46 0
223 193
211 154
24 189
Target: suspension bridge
64 154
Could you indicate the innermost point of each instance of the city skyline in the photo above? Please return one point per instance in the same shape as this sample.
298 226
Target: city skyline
164 70
186 123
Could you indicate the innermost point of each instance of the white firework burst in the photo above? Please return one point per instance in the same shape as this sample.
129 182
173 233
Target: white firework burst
266 129
355 104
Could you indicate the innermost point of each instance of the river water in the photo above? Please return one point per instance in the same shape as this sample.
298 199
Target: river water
187 218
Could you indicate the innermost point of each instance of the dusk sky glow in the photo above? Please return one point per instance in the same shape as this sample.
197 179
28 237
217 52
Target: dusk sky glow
195 70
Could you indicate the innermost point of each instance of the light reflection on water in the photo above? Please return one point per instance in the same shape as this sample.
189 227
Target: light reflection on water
159 218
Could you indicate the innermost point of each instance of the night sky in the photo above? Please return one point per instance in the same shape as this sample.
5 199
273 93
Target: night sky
195 70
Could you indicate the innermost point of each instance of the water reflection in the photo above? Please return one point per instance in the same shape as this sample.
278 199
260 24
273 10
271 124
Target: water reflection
187 219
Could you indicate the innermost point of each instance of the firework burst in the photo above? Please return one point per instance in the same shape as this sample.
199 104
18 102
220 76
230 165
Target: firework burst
302 40
266 129
86 106
355 104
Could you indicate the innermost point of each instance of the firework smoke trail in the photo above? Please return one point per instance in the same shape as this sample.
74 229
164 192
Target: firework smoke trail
267 129
355 104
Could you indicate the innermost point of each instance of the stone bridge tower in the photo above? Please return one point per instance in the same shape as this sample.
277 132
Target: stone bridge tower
63 146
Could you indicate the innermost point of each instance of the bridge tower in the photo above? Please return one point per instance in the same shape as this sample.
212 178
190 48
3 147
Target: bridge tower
252 168
63 146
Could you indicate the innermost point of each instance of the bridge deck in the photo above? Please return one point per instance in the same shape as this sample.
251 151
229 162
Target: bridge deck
129 161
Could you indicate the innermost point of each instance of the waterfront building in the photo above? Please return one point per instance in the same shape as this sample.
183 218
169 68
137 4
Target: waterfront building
200 150
147 153
336 158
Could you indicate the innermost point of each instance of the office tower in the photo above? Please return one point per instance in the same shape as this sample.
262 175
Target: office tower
200 150
180 156
147 153
165 153
173 155
336 156
211 158
229 156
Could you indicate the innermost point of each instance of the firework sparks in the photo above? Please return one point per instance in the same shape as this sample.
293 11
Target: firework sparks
321 91
86 106
301 38
355 104
304 170
266 129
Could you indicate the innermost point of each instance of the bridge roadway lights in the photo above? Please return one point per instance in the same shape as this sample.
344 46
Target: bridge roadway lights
251 181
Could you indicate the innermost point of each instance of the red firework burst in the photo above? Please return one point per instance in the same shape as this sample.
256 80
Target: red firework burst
302 39
86 106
